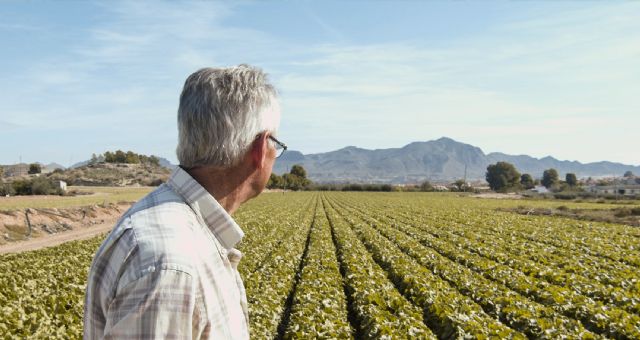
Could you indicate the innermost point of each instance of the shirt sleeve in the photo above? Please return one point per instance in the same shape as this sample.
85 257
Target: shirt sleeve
160 305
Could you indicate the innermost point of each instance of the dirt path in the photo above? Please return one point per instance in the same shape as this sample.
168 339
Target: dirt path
499 196
81 233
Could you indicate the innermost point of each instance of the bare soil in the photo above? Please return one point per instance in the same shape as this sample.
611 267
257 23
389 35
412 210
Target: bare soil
29 229
616 215
493 195
54 240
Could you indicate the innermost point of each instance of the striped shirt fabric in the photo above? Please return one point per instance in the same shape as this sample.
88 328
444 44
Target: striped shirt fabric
168 270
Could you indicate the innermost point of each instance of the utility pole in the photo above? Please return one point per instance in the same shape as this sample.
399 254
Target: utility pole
465 177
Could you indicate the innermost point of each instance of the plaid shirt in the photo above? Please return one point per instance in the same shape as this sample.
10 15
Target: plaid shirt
169 270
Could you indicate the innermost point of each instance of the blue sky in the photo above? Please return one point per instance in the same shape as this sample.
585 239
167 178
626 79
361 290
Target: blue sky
537 78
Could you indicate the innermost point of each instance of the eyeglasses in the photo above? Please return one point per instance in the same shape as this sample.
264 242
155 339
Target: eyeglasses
280 146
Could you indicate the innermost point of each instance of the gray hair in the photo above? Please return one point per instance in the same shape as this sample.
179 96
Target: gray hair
221 112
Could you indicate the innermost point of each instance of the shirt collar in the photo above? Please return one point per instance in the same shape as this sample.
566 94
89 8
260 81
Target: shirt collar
221 224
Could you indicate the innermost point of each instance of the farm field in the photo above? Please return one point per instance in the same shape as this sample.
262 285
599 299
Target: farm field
385 265
96 195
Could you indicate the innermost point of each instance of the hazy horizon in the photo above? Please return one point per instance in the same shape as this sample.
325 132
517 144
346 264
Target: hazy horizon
393 147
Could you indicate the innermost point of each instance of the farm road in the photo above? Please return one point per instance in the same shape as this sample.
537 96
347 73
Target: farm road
59 238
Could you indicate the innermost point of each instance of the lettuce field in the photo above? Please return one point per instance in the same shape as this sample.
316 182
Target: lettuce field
384 265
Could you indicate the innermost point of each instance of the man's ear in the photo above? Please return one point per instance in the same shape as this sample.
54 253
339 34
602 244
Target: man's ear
259 150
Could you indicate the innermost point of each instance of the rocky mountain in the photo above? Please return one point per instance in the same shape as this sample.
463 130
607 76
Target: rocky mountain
51 167
443 159
166 163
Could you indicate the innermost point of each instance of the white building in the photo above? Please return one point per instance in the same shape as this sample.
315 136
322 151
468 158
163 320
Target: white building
621 189
541 189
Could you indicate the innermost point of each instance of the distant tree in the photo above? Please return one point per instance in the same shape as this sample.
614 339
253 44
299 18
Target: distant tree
296 179
549 178
42 186
120 156
6 189
426 186
502 176
36 186
386 187
294 182
275 182
1 171
527 181
109 157
94 159
132 158
299 171
21 187
628 174
35 168
460 185
571 179
353 187
153 160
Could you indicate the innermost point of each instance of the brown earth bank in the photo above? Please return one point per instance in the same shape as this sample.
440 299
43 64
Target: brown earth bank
494 195
27 229
628 216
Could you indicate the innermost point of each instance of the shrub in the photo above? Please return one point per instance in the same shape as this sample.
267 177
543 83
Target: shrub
35 168
6 189
37 186
156 182
564 196
22 187
41 186
624 212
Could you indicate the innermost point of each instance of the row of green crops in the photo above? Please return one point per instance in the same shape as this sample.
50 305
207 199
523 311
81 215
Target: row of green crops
384 265
532 263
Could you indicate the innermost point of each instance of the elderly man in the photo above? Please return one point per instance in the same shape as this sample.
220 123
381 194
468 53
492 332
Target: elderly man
169 267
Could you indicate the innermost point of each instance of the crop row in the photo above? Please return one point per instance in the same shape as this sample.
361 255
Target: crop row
602 270
319 306
600 318
379 309
447 312
596 277
42 291
614 284
527 243
515 310
392 265
268 288
608 241
265 230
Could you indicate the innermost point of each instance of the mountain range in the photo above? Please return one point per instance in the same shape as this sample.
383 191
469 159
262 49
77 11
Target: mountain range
443 159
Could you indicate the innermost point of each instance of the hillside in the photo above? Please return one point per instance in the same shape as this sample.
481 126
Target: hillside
443 159
114 174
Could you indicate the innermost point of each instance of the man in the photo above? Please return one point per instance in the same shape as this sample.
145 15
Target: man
169 268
